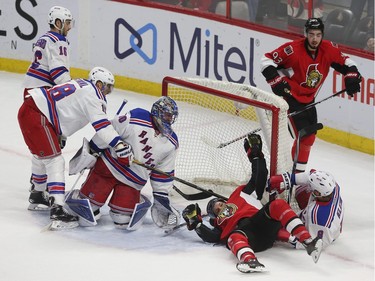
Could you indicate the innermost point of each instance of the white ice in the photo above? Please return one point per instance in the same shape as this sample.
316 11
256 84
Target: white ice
105 253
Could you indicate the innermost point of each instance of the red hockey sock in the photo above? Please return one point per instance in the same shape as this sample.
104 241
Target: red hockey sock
238 244
281 211
304 151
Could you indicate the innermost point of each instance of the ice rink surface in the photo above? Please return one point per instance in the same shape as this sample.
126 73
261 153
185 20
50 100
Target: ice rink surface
105 253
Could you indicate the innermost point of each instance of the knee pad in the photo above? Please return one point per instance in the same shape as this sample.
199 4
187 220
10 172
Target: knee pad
121 220
308 140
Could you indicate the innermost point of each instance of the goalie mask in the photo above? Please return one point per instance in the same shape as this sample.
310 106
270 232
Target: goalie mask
321 183
164 112
211 207
105 76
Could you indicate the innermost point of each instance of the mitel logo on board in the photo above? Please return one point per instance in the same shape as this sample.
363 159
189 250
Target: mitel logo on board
135 41
204 54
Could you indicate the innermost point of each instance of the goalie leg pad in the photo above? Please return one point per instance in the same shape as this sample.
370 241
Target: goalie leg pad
139 213
164 215
80 207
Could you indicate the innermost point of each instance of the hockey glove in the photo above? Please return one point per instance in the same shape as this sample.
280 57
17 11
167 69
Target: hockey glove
353 82
253 146
163 213
192 216
124 154
279 86
279 183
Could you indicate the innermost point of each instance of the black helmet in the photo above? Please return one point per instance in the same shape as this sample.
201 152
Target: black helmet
314 23
210 206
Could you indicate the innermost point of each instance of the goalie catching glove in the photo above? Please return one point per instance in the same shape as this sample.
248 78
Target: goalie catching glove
192 216
163 213
280 183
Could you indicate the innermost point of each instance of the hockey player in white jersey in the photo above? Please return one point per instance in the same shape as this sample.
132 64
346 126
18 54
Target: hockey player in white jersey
153 143
319 198
48 114
51 65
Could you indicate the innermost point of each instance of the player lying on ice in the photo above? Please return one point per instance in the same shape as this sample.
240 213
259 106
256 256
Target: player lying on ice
244 225
319 197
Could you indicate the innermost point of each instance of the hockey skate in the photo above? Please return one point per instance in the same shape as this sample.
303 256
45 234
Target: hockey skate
314 247
60 218
250 266
38 200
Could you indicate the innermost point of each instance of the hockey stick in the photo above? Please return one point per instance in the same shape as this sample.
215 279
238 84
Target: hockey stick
192 197
224 144
302 133
124 102
315 103
211 193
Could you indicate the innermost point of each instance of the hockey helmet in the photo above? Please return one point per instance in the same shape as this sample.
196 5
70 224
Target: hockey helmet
321 183
165 112
314 23
61 13
103 75
211 205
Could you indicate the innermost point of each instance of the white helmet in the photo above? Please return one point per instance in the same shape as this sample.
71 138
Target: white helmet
103 75
322 182
58 12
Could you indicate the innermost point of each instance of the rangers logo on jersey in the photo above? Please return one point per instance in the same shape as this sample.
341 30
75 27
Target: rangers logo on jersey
313 77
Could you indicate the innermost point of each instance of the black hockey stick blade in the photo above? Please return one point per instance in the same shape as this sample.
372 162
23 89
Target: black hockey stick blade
193 197
310 129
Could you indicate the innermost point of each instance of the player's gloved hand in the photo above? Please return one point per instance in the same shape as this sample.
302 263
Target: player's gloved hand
353 82
279 183
253 146
124 154
62 141
279 86
192 216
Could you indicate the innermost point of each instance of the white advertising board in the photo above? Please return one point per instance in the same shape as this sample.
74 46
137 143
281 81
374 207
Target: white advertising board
148 44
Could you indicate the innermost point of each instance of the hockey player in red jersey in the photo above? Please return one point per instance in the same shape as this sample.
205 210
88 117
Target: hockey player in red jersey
296 70
243 224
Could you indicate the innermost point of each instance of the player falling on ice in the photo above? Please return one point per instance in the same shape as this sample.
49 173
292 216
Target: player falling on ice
244 225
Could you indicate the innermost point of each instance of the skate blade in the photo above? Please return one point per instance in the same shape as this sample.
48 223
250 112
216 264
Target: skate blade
60 225
38 207
245 268
316 254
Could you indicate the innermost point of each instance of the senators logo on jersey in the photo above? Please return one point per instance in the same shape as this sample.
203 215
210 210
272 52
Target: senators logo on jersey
313 77
228 211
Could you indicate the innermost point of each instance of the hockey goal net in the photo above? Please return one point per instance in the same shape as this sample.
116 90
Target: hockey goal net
214 118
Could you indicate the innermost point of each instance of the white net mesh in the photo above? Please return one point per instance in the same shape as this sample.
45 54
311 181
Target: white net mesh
213 120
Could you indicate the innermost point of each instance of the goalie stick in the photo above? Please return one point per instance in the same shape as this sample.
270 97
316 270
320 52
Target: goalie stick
211 193
192 197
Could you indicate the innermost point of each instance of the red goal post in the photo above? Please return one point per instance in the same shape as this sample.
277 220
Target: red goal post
214 117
